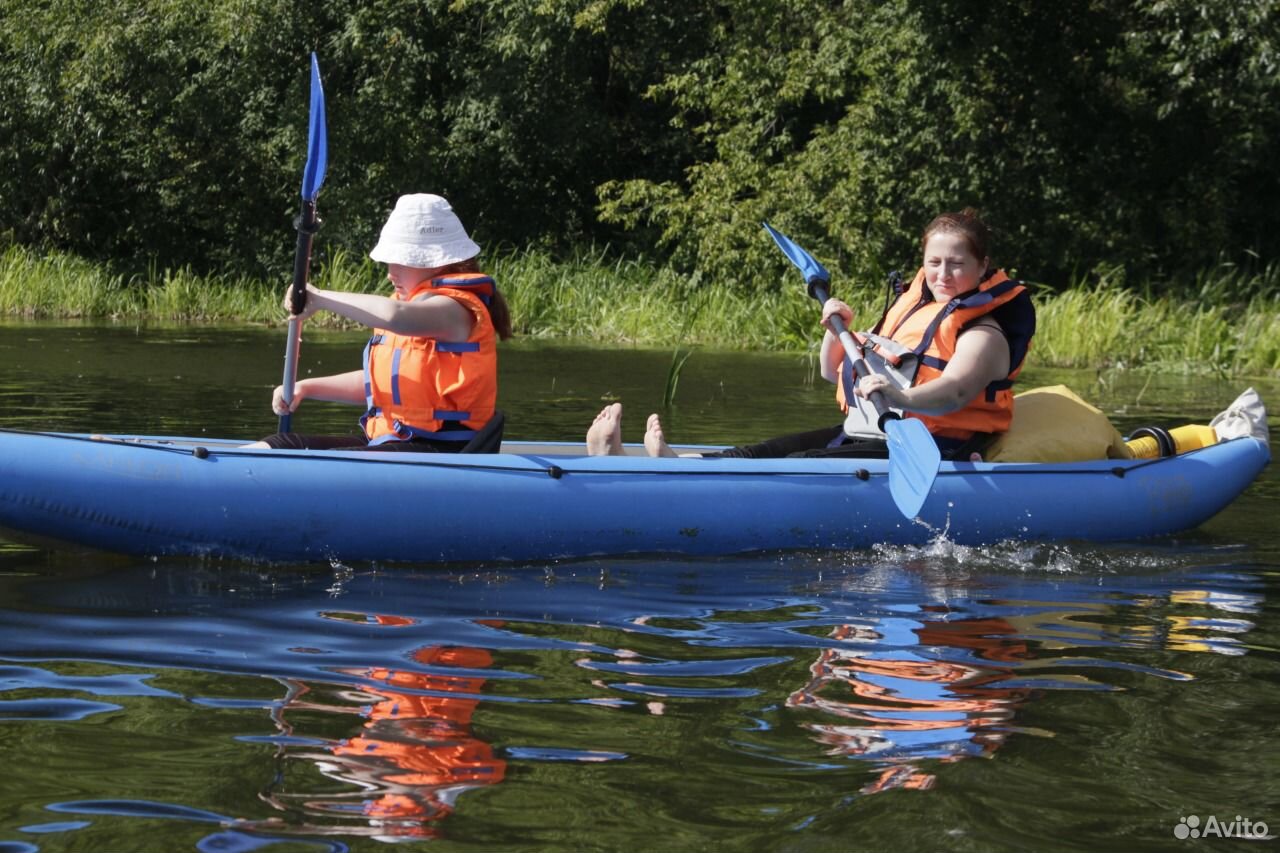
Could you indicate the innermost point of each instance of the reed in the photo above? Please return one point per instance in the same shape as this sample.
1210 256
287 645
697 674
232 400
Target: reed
678 360
1224 320
59 286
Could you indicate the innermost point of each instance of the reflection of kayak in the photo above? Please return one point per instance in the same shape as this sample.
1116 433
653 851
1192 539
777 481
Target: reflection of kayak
545 501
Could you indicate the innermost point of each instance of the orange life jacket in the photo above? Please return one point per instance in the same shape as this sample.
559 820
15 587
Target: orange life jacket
428 388
930 330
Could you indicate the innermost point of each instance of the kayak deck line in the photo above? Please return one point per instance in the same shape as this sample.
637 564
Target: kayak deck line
212 448
555 471
453 462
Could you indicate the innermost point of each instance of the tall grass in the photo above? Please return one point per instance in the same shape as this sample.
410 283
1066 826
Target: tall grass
60 286
627 302
1226 320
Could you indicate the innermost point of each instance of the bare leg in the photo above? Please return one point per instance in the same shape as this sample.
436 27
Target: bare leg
604 437
654 441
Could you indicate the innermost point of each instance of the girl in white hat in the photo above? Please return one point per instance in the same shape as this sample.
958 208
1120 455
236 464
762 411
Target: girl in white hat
430 374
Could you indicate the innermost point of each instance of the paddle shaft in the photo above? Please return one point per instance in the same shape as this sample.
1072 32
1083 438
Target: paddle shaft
914 458
854 352
307 224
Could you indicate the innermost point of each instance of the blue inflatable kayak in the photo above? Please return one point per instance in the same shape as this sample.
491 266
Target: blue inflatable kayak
158 496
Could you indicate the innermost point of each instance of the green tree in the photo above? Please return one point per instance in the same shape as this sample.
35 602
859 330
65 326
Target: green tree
1087 132
173 132
153 129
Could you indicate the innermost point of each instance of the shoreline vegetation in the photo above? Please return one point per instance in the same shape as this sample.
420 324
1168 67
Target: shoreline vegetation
1226 321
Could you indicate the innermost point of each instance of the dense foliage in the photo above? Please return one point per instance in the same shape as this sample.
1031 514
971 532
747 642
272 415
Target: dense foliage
170 132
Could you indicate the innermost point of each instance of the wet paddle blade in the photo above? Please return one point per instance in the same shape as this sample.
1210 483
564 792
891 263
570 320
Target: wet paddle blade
805 262
913 463
317 139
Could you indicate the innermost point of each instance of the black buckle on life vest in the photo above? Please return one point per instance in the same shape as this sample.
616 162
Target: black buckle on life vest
995 387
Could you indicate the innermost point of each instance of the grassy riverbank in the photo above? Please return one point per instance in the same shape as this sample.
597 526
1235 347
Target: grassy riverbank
1227 323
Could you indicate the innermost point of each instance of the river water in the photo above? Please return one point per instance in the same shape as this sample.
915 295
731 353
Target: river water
1021 696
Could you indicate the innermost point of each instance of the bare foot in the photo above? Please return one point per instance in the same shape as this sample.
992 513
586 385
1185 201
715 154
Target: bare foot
604 437
654 441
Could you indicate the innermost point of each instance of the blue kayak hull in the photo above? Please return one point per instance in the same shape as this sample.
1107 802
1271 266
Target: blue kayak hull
155 496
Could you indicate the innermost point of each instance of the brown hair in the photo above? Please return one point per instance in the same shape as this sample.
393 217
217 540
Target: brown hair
499 313
968 224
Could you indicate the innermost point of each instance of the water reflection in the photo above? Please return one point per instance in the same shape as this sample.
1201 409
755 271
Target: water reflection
723 698
901 706
933 683
415 754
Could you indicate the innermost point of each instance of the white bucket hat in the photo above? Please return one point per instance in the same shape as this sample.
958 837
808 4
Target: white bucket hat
424 232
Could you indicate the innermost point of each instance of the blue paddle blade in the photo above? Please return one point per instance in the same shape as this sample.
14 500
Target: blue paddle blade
317 139
913 463
805 262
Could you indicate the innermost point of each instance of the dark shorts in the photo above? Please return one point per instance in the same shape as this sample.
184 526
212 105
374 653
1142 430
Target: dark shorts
832 443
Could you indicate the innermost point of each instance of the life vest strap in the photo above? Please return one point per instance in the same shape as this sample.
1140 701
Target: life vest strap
441 346
972 300
482 285
997 386
403 432
436 414
464 281
406 432
865 342
934 362
368 379
395 376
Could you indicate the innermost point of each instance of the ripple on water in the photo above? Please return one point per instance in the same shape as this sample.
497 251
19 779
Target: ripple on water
746 696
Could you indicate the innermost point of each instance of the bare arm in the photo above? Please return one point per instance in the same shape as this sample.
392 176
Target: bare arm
831 357
436 317
337 388
981 357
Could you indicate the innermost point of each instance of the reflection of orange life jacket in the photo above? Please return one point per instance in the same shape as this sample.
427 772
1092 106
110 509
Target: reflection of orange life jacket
441 761
431 743
930 329
417 386
993 638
